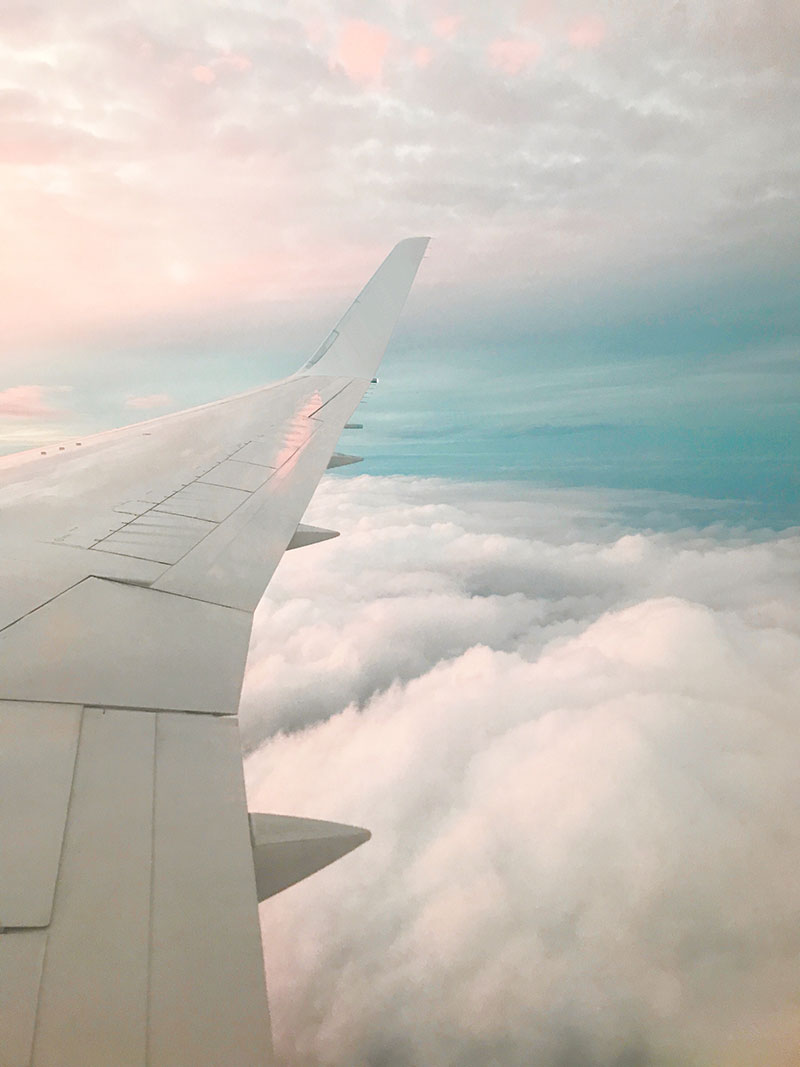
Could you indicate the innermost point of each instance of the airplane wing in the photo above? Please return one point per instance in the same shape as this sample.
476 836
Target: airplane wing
130 566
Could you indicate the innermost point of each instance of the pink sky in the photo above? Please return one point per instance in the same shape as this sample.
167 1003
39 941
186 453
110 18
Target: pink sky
514 54
587 32
26 401
159 163
361 50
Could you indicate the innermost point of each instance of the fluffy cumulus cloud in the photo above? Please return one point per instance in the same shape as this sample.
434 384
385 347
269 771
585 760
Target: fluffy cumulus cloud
185 159
572 728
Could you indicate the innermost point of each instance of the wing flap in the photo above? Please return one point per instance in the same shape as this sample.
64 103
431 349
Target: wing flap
152 954
38 743
118 645
207 988
21 958
93 997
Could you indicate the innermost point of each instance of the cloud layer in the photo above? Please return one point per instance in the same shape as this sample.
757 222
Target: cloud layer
574 739
158 160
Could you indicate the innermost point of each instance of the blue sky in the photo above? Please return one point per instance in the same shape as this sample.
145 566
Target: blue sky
701 399
687 392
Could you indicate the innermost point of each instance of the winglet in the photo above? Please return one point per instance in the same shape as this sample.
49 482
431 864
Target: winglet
354 348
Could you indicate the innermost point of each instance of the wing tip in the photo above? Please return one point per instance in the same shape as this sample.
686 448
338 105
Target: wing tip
356 352
416 243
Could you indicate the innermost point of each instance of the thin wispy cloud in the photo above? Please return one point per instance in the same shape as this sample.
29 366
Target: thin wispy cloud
27 402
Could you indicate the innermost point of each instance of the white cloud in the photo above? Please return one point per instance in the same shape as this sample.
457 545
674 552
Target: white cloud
268 151
576 747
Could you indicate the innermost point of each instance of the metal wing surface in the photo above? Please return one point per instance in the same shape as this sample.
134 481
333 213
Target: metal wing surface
130 566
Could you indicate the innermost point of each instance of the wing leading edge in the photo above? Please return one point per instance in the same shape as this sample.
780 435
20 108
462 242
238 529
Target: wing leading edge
130 566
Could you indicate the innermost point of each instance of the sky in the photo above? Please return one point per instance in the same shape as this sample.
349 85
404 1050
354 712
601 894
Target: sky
190 195
550 660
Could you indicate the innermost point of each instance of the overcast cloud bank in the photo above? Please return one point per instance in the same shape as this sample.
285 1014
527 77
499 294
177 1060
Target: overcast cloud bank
576 746
166 160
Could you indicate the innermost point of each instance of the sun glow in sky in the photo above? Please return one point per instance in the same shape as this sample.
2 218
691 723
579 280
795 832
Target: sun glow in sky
568 586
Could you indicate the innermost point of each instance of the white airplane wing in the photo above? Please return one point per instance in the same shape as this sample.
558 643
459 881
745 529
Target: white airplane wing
130 566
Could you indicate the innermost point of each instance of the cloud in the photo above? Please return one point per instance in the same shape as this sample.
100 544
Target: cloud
669 146
423 56
514 54
361 50
446 26
203 74
150 402
587 32
574 738
26 401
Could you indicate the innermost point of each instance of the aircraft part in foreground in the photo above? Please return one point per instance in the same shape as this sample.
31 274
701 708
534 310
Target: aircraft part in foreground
131 563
